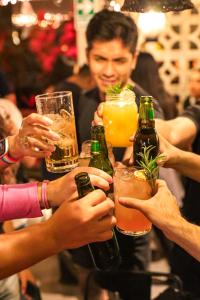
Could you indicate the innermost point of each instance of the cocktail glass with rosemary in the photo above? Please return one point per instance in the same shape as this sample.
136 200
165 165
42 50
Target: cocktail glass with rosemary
131 182
135 182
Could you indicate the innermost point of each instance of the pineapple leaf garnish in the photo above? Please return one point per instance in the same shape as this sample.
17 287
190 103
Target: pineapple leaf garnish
150 165
114 89
129 87
117 89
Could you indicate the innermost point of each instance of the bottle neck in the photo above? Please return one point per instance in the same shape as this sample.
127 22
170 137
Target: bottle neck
99 159
85 189
99 135
146 115
83 184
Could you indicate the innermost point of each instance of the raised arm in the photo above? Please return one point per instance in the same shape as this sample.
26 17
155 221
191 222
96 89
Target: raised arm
74 224
185 162
181 131
27 200
163 211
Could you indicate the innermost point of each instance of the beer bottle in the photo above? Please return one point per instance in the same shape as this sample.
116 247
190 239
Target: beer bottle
99 159
99 154
105 255
146 134
98 134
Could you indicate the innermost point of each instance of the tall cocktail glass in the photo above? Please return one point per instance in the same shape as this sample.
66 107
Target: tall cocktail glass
58 106
120 118
131 182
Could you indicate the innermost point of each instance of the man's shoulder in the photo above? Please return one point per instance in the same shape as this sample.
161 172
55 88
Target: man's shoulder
91 95
89 99
139 91
193 112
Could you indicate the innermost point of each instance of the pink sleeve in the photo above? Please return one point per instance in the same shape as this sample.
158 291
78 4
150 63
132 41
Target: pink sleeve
19 201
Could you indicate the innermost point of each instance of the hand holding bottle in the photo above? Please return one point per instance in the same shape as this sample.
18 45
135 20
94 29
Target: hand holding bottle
65 186
105 254
98 115
86 220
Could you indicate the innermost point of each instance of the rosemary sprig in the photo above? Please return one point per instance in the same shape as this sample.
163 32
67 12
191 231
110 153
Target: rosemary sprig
150 165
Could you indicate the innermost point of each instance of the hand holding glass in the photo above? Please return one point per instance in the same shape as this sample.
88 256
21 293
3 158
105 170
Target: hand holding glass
120 119
58 106
129 182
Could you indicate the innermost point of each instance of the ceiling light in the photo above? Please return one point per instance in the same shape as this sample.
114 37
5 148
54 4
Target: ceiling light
156 5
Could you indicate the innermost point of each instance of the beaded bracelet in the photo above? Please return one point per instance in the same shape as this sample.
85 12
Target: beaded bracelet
44 199
8 160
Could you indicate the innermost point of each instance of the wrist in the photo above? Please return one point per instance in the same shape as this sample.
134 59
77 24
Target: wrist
52 193
174 228
5 157
42 195
50 233
14 148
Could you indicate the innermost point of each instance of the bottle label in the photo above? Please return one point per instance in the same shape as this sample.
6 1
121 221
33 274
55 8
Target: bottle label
151 114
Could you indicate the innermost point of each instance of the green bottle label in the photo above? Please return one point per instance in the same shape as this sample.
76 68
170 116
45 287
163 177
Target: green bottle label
95 146
151 114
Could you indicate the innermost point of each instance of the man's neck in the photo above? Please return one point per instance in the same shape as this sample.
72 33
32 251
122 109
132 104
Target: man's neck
102 96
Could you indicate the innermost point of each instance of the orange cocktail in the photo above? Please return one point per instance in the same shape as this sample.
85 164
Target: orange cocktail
120 118
129 182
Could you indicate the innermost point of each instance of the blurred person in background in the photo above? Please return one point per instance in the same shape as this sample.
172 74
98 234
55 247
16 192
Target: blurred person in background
13 287
194 88
146 74
6 88
184 132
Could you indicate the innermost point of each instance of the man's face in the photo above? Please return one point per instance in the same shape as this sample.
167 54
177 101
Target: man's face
194 84
110 63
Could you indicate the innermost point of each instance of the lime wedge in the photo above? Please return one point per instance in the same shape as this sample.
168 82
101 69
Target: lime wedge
140 174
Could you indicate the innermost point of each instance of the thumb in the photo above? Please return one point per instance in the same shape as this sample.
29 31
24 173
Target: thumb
100 110
131 202
23 285
164 157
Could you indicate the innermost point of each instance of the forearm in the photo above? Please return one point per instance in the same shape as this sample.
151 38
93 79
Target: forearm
186 235
14 147
20 201
21 249
187 164
179 132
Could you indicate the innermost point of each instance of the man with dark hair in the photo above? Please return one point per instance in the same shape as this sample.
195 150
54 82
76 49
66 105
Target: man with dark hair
111 53
107 26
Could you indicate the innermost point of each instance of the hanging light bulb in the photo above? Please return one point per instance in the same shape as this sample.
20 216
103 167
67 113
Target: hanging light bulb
151 23
27 17
156 5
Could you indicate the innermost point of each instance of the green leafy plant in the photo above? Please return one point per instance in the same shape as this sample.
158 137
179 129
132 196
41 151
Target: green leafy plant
116 89
150 166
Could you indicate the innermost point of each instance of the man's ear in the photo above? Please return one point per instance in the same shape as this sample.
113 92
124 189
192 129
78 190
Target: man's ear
134 61
87 53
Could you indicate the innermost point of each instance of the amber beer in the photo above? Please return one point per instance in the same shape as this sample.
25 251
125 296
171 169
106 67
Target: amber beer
146 134
58 107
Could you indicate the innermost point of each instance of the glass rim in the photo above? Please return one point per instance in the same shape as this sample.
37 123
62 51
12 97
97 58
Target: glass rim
132 169
46 96
120 100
